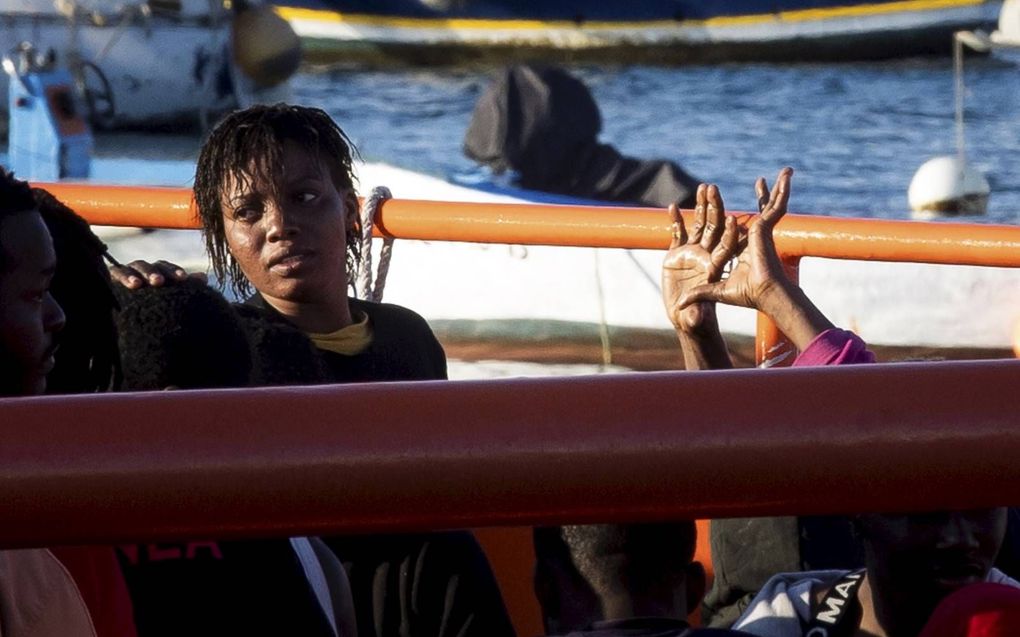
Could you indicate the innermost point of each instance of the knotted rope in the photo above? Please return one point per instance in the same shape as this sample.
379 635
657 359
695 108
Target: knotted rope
365 288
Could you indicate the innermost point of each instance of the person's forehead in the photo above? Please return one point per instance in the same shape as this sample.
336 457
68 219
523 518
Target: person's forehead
26 244
298 162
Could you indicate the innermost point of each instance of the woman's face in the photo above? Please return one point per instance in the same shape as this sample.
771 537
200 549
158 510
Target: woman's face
292 243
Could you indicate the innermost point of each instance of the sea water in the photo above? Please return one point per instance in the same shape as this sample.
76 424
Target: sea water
854 133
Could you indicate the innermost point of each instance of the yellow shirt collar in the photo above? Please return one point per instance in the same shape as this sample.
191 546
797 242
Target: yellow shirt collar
349 341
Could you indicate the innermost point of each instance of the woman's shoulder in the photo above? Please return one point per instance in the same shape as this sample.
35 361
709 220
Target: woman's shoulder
404 339
385 315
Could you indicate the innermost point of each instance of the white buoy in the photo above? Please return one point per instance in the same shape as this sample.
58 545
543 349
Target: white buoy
1008 32
947 186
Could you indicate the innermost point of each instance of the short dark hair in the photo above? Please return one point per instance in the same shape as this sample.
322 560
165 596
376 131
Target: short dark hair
246 147
15 198
184 335
630 558
88 359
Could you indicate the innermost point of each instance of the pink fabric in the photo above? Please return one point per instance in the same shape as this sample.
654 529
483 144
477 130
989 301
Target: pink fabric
978 610
835 347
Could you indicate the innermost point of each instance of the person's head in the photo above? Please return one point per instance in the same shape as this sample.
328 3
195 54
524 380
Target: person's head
183 336
915 560
274 188
29 317
632 570
88 360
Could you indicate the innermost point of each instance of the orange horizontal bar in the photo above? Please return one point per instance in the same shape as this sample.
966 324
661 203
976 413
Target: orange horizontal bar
540 224
398 456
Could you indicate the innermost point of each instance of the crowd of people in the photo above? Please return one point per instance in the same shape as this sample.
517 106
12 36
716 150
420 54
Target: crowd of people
275 193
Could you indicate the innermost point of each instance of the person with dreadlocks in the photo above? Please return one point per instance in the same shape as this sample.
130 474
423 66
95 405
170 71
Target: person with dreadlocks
86 362
38 597
275 193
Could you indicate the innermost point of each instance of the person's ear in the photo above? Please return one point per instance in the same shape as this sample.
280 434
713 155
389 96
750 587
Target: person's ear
695 584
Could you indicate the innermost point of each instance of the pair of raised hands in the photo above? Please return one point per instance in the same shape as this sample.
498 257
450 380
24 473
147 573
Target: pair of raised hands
699 268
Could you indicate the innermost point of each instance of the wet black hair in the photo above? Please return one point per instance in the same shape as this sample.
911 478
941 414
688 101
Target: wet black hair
88 360
184 335
247 147
15 198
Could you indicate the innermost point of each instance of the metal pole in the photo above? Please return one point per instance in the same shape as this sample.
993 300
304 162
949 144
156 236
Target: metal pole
430 455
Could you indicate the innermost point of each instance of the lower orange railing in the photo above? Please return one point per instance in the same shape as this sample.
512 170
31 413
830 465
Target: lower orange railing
426 455
797 236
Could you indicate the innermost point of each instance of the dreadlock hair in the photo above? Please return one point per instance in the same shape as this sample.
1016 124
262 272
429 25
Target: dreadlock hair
184 335
15 198
247 148
88 360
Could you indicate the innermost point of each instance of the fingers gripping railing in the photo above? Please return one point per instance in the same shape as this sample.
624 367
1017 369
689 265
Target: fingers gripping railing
430 455
796 236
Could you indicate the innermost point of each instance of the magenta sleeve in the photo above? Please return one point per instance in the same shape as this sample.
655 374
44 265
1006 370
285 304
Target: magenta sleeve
835 347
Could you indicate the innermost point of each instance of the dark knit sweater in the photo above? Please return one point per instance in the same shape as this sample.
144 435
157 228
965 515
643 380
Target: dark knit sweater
404 585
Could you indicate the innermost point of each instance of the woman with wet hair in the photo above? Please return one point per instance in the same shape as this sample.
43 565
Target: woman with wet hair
275 192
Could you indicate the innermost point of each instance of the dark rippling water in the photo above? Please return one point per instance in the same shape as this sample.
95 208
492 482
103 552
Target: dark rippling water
854 133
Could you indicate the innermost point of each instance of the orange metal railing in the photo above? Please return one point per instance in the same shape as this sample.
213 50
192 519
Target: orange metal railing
428 455
796 237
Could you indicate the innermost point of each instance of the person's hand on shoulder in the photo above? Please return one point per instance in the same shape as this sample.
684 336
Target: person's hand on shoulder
139 274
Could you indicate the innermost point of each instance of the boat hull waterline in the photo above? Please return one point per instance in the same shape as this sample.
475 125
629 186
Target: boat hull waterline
809 30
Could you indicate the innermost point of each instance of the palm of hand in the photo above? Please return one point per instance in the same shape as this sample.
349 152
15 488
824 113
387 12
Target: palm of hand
684 268
757 268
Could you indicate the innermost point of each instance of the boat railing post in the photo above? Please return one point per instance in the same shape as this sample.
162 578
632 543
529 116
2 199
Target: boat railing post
771 347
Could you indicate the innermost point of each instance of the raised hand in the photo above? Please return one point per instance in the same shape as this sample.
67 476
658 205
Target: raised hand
697 258
759 269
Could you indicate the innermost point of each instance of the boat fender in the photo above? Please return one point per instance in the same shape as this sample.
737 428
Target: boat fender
1009 22
264 45
947 186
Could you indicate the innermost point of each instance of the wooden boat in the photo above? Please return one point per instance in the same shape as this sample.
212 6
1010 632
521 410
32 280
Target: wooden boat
647 31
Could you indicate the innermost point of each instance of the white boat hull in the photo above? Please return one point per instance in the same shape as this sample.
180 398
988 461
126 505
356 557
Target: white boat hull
538 292
160 71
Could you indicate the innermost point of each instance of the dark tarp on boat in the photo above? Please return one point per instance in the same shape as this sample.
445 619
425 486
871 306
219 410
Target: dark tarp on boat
543 124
